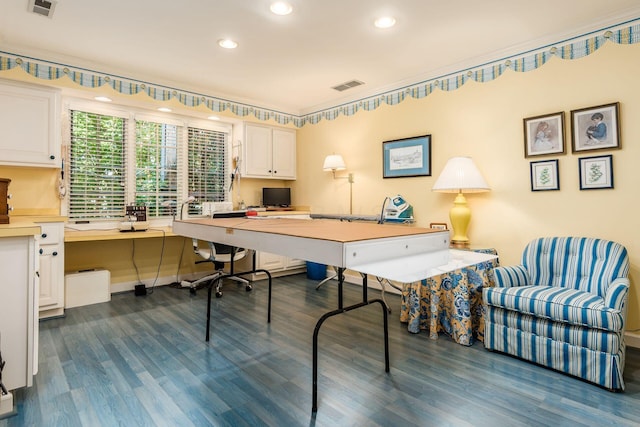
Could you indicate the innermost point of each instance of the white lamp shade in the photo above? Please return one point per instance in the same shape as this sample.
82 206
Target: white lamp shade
460 174
334 162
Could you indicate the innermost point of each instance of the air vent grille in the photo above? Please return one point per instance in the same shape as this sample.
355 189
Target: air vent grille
42 7
347 85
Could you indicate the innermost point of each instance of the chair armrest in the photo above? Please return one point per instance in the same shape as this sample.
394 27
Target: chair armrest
616 294
507 277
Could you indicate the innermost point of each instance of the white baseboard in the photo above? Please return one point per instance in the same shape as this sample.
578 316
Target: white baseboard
632 339
162 281
6 405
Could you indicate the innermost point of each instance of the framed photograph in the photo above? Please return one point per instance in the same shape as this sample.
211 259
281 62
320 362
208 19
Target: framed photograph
544 135
407 157
595 128
544 175
438 226
596 172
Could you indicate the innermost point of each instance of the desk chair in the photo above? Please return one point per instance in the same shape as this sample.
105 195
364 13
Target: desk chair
219 255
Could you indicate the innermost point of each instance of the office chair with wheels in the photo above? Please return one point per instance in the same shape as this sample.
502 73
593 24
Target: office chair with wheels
219 255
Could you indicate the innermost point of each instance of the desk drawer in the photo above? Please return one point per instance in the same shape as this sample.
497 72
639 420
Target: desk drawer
50 233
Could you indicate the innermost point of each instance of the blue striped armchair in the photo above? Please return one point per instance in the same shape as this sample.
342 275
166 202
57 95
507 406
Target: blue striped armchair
564 308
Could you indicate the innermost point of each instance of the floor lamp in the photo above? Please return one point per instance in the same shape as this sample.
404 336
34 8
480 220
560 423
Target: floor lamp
460 175
333 163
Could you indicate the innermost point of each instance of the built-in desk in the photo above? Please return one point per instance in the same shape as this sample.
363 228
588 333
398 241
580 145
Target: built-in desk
113 234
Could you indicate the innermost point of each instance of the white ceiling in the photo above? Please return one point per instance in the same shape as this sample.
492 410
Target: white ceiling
290 63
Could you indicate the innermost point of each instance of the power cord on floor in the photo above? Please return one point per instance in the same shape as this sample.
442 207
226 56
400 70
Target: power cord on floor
177 283
140 288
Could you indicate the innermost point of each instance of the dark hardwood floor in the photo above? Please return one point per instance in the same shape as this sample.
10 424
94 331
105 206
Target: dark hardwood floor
143 361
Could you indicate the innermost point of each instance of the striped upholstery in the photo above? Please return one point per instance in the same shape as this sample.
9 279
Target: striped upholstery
564 307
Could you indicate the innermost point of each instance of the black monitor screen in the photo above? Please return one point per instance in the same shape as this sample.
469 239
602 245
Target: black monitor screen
280 197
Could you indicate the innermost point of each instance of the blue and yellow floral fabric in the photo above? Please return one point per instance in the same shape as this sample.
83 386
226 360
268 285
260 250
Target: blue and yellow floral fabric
449 303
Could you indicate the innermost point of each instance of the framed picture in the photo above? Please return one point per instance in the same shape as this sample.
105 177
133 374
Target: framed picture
544 175
407 157
438 226
596 172
544 135
595 128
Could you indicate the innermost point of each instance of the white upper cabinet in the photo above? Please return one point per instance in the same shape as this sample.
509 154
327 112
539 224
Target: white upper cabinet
30 125
269 152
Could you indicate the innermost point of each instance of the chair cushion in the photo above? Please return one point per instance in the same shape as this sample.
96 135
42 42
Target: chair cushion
558 304
579 336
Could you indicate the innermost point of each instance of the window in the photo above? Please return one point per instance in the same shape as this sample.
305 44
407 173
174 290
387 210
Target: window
117 158
97 166
156 166
207 167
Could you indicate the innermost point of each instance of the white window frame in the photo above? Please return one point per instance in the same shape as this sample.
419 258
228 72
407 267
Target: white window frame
132 114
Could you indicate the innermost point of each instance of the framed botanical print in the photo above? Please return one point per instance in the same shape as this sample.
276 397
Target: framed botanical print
596 172
544 175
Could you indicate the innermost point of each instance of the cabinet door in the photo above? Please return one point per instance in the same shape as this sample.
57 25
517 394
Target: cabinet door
284 154
50 274
30 123
295 263
270 262
18 316
257 155
51 270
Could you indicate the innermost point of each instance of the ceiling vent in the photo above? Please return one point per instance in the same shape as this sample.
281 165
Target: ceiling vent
347 85
42 7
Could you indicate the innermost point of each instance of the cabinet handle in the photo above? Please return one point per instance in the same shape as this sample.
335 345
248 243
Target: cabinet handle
41 251
55 253
52 157
44 235
275 171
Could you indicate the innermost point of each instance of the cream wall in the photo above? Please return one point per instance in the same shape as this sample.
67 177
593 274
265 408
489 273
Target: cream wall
484 121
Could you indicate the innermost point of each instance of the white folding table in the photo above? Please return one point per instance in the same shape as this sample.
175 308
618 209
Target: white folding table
395 252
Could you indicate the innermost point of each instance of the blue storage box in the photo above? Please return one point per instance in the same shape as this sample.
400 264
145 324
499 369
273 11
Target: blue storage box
316 271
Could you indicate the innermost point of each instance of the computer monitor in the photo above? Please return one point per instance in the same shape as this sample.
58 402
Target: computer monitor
276 197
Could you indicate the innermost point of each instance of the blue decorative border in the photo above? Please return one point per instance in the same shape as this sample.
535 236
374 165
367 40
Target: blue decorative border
578 47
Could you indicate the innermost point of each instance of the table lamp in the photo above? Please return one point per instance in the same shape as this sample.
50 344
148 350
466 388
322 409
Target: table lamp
460 175
333 163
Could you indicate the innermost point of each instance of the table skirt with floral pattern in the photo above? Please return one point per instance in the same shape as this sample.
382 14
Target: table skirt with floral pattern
450 303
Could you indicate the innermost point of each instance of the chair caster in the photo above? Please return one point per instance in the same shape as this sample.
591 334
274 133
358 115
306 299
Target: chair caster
218 294
248 288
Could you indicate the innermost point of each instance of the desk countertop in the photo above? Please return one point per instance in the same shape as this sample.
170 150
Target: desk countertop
93 235
27 225
18 229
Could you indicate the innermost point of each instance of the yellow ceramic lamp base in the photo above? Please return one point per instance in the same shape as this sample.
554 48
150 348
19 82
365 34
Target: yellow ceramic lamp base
460 215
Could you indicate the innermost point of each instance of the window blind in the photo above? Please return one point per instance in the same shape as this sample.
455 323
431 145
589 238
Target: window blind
96 166
208 174
156 160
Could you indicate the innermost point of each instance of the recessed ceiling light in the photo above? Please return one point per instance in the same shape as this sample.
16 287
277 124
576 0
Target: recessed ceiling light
102 99
164 109
213 118
281 8
227 43
385 22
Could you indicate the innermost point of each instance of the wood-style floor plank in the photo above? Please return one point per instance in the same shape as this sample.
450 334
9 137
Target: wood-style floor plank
143 361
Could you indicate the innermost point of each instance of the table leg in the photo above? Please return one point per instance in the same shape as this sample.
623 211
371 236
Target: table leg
341 310
221 277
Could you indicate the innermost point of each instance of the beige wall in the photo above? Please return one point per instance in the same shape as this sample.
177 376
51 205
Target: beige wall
481 120
484 121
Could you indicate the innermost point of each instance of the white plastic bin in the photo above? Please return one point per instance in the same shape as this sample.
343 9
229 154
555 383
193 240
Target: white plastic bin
87 287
